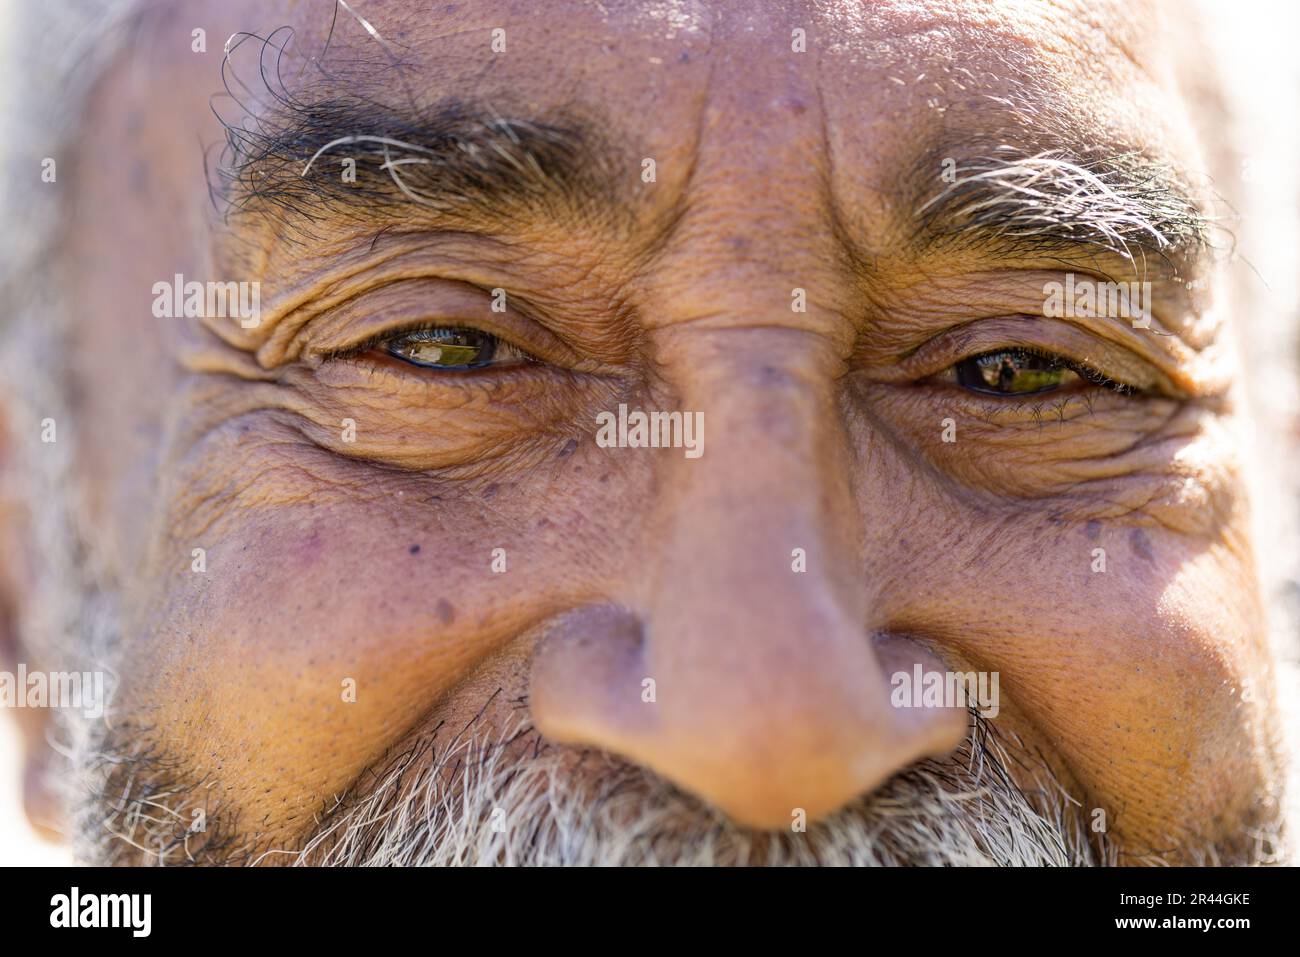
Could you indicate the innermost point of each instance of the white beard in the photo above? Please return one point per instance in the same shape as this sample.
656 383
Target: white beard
486 803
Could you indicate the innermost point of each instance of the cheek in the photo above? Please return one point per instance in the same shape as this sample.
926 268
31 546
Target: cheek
1174 729
1135 674
325 625
1125 648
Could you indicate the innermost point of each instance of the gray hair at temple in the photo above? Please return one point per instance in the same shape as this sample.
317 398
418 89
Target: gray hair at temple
55 55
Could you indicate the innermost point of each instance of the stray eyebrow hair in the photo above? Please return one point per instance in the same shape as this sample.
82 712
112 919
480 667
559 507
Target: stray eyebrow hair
459 164
1055 202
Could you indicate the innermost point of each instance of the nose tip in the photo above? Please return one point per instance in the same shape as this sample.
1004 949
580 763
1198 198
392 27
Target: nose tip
764 742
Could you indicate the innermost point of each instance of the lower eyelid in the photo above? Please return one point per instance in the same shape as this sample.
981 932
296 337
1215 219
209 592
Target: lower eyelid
1060 406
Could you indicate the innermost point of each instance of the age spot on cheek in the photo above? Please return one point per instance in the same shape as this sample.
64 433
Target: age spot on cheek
1141 544
445 611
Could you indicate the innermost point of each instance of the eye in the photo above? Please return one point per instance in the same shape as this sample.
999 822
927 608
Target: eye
1017 372
1011 372
451 347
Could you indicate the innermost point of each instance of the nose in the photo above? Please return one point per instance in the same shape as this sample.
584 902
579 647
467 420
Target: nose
749 668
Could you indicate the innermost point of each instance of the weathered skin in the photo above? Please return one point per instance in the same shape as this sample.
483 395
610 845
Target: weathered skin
823 431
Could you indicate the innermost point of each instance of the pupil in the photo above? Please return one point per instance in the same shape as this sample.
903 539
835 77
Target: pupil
1010 373
445 348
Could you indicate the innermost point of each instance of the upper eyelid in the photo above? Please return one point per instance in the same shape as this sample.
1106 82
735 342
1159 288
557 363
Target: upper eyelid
406 305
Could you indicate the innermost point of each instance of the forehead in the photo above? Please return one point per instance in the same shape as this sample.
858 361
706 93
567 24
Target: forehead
853 101
641 66
581 34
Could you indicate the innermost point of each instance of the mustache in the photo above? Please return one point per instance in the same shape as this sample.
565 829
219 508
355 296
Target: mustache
513 799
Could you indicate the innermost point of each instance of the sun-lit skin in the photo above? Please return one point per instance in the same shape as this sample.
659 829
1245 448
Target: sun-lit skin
371 560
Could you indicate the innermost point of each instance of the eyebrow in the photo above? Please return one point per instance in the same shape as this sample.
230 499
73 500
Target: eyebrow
458 163
1061 203
466 166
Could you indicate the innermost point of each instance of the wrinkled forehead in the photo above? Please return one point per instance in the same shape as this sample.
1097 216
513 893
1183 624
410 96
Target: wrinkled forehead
881 69
1099 38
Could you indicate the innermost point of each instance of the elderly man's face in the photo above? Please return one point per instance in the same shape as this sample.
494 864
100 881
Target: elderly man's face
826 234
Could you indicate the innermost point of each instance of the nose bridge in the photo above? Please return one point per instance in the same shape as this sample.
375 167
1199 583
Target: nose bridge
759 541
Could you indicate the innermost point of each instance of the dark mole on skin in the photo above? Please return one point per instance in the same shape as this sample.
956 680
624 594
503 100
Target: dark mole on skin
1139 542
568 448
1092 530
415 549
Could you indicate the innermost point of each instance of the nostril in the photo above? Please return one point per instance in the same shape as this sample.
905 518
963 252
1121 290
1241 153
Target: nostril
587 674
928 731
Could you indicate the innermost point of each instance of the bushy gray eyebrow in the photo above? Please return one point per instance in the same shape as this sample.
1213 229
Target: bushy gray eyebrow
1048 202
460 162
465 164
